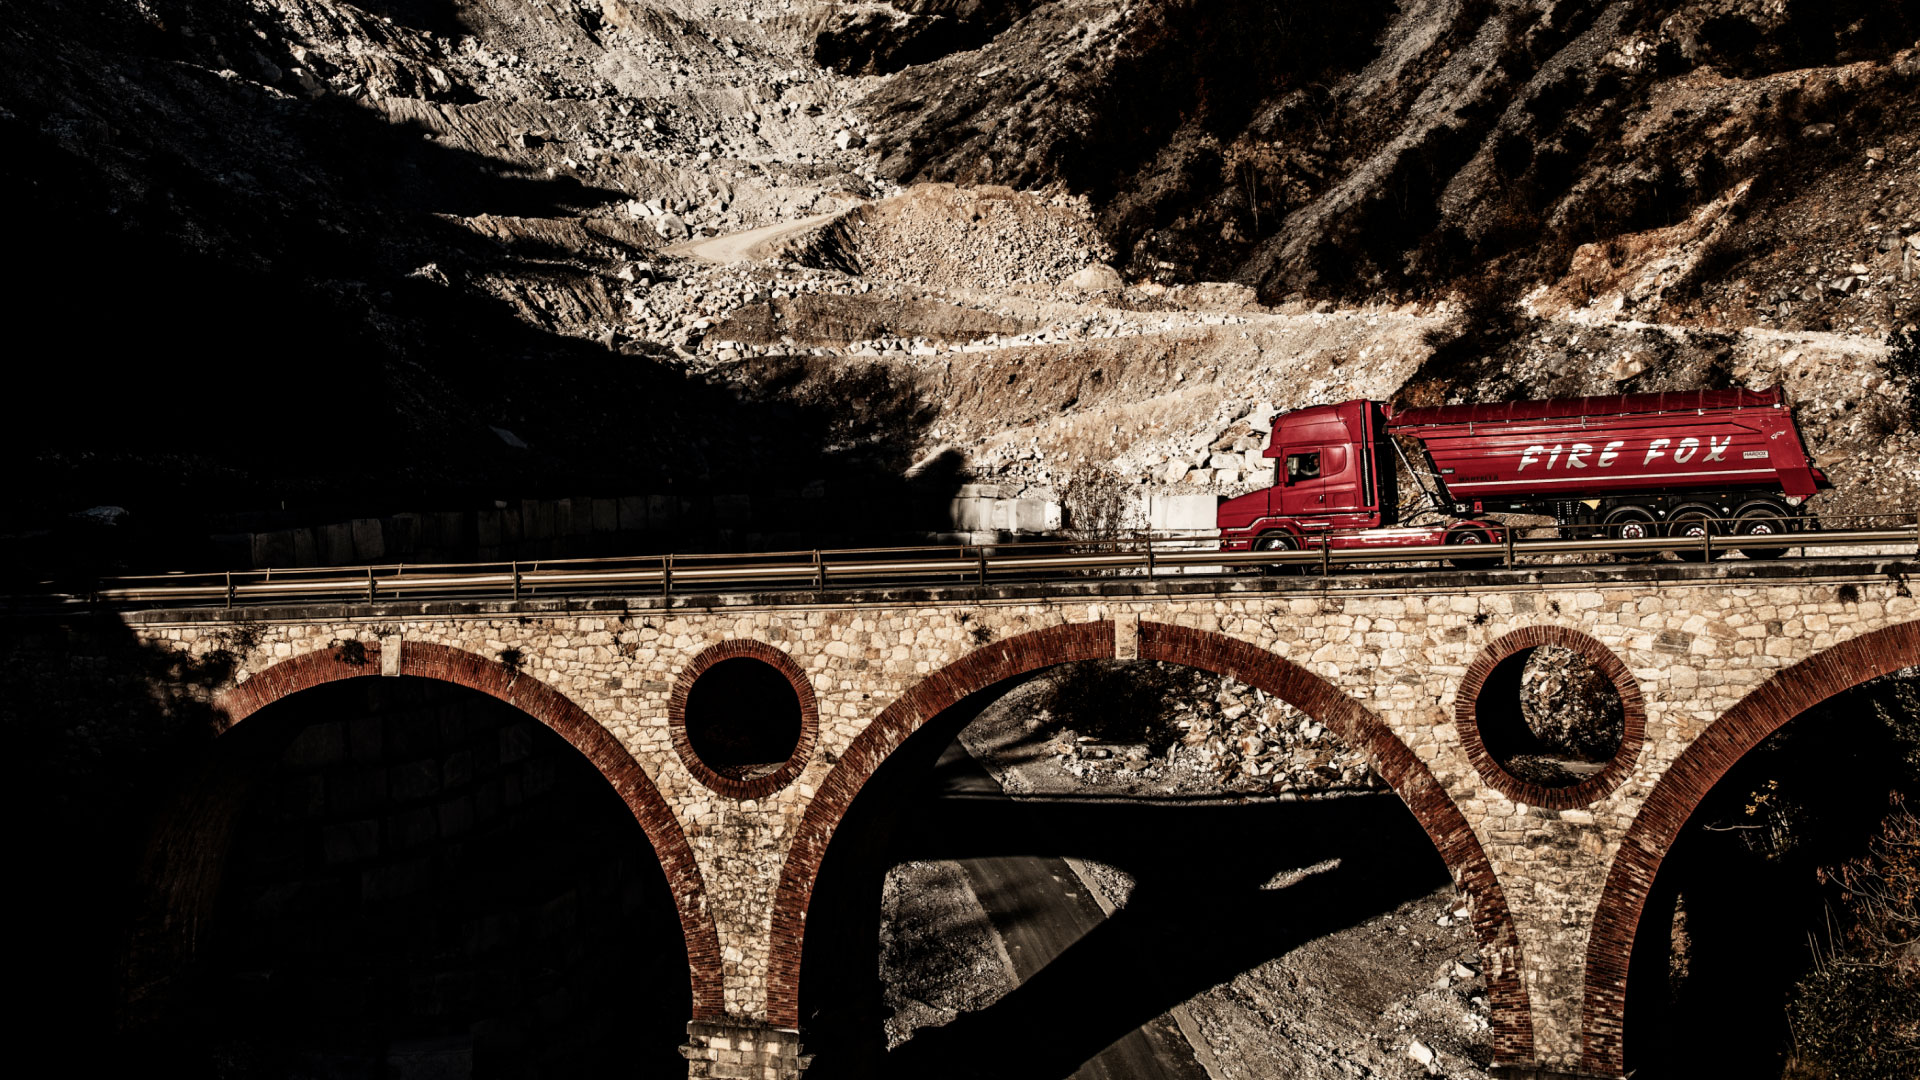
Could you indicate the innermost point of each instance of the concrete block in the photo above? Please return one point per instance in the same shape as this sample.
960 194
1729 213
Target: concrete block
632 511
369 540
403 534
1036 515
537 519
1000 515
970 513
273 548
606 515
448 532
306 549
336 544
1181 512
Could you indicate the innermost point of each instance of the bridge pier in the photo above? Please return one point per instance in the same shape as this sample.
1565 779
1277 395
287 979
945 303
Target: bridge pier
742 1050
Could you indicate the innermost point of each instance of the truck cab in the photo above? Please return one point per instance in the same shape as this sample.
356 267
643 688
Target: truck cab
1334 483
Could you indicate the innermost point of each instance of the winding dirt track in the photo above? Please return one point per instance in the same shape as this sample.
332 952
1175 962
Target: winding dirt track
751 244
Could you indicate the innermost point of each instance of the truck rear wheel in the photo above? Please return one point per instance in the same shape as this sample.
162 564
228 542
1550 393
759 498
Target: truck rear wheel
1631 523
1761 520
1692 524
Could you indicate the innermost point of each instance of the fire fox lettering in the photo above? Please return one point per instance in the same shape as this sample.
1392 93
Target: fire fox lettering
1577 454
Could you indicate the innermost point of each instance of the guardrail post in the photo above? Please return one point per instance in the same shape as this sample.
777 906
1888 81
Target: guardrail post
516 580
1706 543
229 588
1326 557
1149 558
819 572
1509 535
369 584
666 577
983 564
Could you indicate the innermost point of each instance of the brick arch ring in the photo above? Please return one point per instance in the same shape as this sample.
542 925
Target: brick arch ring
1397 765
1466 718
1789 693
572 723
735 649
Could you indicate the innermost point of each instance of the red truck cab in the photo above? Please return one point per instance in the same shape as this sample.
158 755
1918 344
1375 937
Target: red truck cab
1334 485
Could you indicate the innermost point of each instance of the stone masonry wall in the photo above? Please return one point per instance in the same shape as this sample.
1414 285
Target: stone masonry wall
1693 649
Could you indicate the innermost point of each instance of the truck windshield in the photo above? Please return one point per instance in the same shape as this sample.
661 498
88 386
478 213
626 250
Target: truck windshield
1303 466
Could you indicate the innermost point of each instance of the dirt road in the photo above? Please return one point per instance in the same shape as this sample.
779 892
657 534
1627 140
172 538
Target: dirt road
751 244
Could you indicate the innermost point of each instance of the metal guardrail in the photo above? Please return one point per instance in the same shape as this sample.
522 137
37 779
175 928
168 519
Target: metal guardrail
1144 556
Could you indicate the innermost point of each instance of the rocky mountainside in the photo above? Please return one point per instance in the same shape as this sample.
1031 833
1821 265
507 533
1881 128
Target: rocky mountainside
332 258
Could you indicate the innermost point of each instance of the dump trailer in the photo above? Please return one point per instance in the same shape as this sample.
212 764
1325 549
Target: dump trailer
1628 466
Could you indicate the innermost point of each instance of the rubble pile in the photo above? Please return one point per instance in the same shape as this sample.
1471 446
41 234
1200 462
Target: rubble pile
979 237
1147 727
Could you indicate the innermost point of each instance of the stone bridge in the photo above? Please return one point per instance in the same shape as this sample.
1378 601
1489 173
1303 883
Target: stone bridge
1707 661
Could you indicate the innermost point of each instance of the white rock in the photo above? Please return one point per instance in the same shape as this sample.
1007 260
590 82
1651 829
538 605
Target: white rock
1096 278
1421 1053
670 227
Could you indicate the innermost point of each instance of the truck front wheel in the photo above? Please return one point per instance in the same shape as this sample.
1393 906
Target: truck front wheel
1276 541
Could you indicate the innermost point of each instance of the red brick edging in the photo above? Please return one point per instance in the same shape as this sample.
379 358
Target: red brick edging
1466 718
1693 774
552 708
1408 776
761 786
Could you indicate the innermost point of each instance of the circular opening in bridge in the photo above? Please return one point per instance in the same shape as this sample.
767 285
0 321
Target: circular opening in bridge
746 721
1550 717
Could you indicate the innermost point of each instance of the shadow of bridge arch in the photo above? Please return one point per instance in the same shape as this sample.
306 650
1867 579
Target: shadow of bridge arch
1013 657
1681 790
182 875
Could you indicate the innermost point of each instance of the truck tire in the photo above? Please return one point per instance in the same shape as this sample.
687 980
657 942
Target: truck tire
1761 519
1631 523
1475 536
1276 541
1691 523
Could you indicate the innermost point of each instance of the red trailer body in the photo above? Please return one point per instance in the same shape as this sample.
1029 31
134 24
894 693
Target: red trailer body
1697 440
1633 465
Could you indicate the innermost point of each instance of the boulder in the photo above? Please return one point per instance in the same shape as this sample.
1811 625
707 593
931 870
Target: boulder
1096 278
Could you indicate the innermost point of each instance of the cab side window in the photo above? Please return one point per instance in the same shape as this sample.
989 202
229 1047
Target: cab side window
1303 467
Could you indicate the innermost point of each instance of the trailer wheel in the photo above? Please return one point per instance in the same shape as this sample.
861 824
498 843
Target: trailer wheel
1630 523
1475 536
1762 520
1692 523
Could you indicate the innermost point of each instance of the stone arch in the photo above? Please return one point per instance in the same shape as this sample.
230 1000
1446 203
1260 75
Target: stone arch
1219 653
1787 694
542 702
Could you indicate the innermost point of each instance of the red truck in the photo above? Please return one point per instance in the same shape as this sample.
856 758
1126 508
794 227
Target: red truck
1629 466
